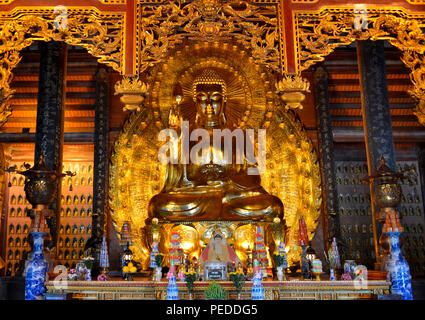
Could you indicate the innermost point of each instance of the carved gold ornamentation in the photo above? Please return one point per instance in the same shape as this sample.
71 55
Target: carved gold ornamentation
132 91
291 90
9 60
165 26
113 1
136 176
100 34
292 171
293 174
416 62
320 33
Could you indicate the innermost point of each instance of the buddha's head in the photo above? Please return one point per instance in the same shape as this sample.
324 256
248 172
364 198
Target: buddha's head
209 95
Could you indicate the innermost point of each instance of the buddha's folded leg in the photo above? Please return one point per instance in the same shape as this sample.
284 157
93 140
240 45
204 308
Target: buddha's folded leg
262 207
185 207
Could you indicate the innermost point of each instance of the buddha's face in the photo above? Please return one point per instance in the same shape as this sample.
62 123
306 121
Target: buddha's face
209 101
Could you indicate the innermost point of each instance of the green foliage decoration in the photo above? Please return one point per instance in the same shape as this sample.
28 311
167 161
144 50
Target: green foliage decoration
215 291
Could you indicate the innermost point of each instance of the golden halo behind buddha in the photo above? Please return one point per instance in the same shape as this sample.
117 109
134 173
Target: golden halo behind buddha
292 171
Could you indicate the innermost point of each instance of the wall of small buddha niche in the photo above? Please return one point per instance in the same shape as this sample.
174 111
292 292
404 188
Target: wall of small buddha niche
74 226
355 206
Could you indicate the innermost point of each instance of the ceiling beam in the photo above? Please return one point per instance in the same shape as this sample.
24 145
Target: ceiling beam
343 118
359 106
350 134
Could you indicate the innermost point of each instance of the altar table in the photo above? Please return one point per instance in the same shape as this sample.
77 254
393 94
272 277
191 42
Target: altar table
273 290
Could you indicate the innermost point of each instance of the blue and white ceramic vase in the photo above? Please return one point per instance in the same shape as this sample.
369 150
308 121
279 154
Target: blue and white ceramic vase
398 269
36 270
257 291
332 278
172 290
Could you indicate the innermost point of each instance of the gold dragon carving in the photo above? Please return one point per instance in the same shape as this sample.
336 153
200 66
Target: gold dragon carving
319 34
10 60
100 34
164 27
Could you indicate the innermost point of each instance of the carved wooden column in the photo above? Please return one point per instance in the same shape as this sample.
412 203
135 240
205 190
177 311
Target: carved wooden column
50 116
376 119
3 211
326 150
101 160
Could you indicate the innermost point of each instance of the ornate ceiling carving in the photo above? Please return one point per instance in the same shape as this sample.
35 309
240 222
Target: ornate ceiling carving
100 34
163 27
320 33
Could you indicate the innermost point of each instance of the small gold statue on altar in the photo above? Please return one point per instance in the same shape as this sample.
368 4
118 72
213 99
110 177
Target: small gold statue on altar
212 188
239 268
249 271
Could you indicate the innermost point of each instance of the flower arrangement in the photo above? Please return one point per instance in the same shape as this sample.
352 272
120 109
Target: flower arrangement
215 291
346 277
102 277
130 268
159 258
238 279
190 279
72 275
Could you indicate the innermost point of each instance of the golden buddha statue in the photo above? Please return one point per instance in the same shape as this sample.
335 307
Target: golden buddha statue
211 188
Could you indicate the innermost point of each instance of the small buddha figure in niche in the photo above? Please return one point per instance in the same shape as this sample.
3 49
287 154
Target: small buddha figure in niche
207 189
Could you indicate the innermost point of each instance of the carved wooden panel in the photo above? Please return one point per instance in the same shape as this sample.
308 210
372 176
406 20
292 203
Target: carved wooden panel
75 213
355 211
17 229
412 218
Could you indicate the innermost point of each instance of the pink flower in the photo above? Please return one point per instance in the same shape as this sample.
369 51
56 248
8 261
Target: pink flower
102 277
346 277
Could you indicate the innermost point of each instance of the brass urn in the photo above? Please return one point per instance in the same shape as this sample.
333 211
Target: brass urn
387 190
40 183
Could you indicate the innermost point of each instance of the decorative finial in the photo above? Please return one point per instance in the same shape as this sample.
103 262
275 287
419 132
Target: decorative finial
291 90
133 92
